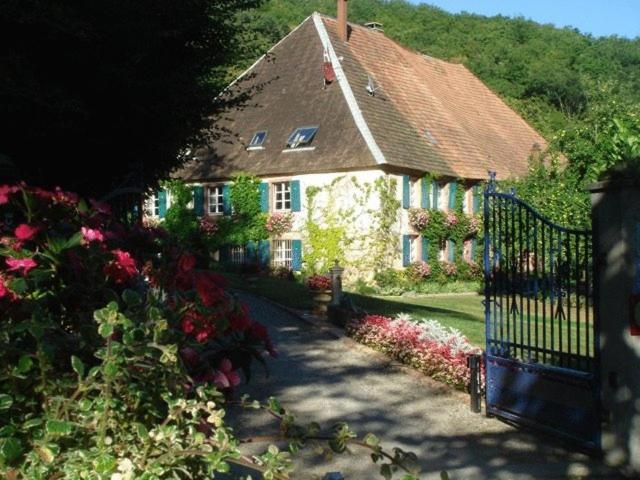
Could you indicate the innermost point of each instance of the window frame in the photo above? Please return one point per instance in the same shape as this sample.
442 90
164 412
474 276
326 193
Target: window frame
284 200
219 196
290 145
257 146
281 247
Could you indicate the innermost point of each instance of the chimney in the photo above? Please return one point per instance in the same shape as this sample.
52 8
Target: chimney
342 20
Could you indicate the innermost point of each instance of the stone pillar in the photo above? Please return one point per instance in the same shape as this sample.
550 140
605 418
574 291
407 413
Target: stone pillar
336 284
616 224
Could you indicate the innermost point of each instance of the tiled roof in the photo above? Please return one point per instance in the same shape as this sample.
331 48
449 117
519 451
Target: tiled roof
428 115
471 129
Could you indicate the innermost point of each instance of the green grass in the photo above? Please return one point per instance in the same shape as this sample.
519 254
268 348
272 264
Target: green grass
464 312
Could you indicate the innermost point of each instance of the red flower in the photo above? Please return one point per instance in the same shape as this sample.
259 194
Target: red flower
208 290
239 320
67 198
122 268
186 262
5 291
25 232
197 325
23 264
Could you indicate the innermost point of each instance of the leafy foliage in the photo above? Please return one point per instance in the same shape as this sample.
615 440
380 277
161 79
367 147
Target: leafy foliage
114 90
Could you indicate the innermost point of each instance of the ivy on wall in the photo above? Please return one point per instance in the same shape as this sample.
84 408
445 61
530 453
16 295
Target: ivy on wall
330 230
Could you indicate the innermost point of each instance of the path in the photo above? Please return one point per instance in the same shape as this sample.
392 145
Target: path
326 379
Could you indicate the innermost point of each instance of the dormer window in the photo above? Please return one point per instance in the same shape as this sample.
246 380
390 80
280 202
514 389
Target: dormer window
301 138
257 140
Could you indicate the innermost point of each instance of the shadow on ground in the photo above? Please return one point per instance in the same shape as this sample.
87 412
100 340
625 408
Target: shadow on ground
324 379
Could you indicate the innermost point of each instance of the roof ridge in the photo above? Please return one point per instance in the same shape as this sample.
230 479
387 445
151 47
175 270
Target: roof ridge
347 92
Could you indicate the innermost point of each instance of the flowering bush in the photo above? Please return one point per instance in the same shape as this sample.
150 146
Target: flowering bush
319 282
118 354
208 226
449 269
475 224
438 351
279 223
451 219
419 218
419 270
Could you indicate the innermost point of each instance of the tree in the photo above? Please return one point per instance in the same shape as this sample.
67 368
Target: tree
106 93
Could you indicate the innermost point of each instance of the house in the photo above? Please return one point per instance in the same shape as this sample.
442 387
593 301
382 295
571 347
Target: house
336 113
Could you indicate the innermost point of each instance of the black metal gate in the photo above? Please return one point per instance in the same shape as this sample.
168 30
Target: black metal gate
541 331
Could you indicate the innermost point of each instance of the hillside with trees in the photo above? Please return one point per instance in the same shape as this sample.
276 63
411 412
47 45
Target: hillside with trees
568 85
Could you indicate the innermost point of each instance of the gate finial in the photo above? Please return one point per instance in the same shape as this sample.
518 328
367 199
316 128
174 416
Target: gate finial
491 186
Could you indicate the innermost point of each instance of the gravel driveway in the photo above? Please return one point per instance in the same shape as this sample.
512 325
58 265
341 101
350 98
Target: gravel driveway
326 379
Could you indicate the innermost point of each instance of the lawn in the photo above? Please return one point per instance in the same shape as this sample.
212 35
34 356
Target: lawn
464 312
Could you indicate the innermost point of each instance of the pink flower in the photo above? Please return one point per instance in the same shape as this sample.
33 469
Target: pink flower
226 376
91 235
25 232
23 264
5 192
187 262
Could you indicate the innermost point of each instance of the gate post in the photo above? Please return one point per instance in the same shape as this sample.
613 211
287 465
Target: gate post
616 226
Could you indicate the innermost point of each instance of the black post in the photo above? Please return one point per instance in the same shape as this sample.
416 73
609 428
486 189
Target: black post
474 362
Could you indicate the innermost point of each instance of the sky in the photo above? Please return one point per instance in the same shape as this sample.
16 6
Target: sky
598 17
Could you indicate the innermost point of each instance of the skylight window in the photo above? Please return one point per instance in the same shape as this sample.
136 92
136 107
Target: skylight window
258 139
301 137
430 136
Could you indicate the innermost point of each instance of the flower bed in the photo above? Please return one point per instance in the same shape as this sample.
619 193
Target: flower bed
279 223
438 351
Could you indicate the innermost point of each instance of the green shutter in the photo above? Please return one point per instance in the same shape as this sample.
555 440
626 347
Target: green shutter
424 199
162 201
453 187
451 247
295 196
476 198
226 199
264 253
252 252
425 249
198 200
474 248
436 195
406 250
406 191
264 197
296 255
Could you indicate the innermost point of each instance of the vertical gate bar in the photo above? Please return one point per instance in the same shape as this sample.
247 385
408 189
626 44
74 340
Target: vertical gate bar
528 284
588 303
505 284
559 308
569 266
501 263
487 275
553 274
544 294
578 305
520 281
494 279
536 283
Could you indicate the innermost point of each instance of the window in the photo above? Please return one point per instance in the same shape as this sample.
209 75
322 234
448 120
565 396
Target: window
216 201
414 252
282 254
442 251
435 196
156 205
282 196
414 192
237 255
258 139
467 201
301 137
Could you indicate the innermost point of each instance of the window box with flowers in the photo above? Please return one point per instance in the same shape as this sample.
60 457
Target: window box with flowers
279 223
320 286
